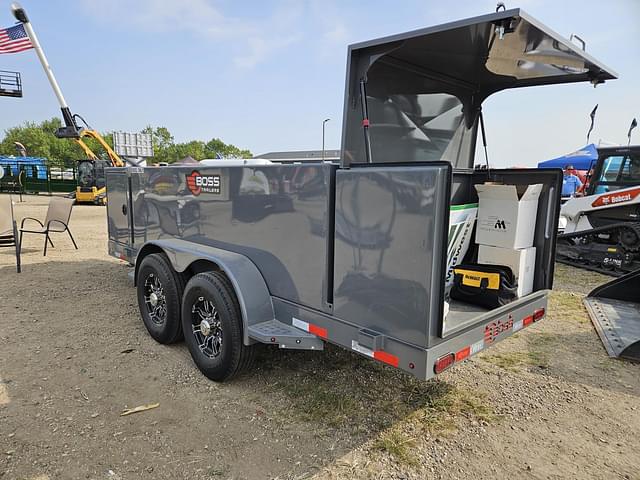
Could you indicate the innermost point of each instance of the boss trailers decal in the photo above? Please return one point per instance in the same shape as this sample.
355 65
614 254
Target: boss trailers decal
198 183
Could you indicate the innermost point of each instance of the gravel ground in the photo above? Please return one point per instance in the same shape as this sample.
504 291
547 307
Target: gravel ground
546 403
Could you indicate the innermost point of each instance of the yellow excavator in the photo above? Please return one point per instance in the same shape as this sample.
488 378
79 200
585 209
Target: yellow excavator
91 186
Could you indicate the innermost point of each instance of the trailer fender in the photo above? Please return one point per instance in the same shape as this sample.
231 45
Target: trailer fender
249 285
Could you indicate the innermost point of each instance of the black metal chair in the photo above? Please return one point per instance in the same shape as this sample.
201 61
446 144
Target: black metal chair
57 220
8 229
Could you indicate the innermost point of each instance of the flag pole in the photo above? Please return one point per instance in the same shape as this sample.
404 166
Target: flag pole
21 16
593 118
634 124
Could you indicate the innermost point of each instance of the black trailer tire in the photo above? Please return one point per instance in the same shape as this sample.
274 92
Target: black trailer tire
212 325
160 290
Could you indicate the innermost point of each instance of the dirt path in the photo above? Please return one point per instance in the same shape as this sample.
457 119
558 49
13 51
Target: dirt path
547 403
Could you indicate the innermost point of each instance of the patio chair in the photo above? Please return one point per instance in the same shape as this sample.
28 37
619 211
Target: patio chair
8 229
57 220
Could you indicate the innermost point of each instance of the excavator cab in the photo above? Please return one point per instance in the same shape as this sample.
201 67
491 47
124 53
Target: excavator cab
617 168
91 181
91 178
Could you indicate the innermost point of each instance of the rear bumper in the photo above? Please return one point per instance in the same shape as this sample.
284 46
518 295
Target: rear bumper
488 332
418 361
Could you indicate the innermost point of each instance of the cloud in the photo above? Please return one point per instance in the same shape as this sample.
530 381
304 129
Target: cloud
254 40
259 49
331 19
337 34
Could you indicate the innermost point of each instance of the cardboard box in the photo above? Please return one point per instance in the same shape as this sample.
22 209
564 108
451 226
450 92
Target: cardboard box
507 215
521 262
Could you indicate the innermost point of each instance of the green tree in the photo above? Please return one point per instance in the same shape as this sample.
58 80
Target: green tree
160 136
163 144
216 147
32 136
194 149
40 141
166 150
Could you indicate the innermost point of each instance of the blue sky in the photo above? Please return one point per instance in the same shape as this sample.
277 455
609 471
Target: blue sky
264 74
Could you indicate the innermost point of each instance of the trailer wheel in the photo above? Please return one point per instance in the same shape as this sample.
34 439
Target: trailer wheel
212 325
160 290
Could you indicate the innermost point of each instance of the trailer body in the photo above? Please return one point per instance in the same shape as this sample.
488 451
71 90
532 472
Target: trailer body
354 252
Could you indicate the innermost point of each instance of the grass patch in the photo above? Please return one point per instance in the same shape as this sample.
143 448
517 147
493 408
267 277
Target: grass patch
537 353
215 472
472 404
341 393
567 306
573 279
363 397
463 403
542 338
397 444
440 417
512 361
341 390
318 403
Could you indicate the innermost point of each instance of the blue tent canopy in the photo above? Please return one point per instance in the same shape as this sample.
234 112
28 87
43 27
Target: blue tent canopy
580 159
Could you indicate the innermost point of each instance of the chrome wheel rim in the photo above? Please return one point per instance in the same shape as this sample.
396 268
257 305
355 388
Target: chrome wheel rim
155 299
206 327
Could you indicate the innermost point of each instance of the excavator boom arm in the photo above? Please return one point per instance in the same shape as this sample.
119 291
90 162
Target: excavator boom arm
90 155
116 161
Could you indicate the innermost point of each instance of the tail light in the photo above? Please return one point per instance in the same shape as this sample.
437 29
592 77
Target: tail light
526 321
444 362
538 314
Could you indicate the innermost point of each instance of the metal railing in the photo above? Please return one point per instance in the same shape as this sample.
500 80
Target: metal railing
10 84
29 178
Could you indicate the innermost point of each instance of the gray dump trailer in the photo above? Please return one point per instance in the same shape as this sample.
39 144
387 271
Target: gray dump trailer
233 253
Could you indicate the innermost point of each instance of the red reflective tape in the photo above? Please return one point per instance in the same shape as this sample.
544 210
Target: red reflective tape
365 122
462 354
527 320
386 358
316 330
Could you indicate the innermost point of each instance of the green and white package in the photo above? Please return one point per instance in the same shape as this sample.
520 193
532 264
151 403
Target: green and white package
461 221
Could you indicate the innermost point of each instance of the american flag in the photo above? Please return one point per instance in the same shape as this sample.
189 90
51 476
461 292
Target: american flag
14 39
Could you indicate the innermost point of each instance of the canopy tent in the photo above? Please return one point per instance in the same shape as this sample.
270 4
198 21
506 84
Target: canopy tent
580 159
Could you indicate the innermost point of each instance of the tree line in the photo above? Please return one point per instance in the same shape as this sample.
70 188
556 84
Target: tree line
40 141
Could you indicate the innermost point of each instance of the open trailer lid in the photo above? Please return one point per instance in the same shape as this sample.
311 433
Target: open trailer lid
424 88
